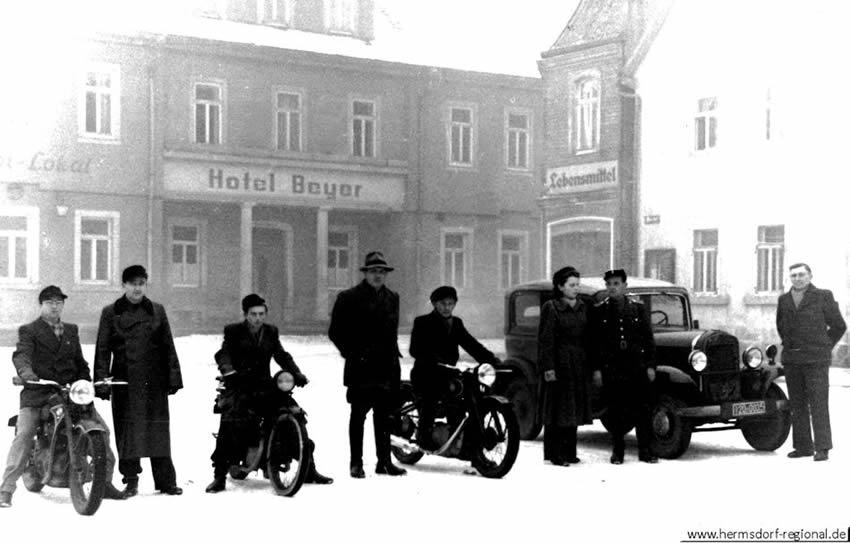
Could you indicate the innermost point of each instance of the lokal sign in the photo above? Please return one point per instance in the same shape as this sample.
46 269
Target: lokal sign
20 167
581 178
345 189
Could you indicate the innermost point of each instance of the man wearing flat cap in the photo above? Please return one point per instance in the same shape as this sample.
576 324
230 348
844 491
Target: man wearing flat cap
134 344
364 328
435 340
49 349
624 364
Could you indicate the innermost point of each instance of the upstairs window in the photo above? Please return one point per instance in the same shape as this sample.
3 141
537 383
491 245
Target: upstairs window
275 12
341 15
518 138
100 101
586 115
363 128
771 258
705 261
461 134
705 124
208 106
288 121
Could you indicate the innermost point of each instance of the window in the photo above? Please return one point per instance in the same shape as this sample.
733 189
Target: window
186 239
341 15
461 133
288 121
457 258
518 141
706 124
771 257
18 245
339 260
277 12
705 261
96 234
363 128
586 115
208 103
512 257
660 264
100 102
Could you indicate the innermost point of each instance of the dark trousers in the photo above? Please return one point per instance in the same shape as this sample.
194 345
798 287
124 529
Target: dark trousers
381 402
808 391
629 403
164 475
559 443
238 429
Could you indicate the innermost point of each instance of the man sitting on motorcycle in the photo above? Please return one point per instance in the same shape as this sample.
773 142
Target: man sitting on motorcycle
434 340
49 349
243 361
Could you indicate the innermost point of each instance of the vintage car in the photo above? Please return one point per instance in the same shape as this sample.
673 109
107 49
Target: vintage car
704 379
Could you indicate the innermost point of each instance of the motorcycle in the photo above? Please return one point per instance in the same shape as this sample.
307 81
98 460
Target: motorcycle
476 424
70 444
283 453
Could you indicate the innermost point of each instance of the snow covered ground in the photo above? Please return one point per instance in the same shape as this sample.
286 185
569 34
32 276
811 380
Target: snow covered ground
720 483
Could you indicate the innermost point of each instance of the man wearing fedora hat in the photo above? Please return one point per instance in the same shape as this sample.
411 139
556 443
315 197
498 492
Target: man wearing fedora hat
364 327
47 348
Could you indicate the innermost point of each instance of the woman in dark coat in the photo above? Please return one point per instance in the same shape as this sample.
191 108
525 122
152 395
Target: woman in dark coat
562 359
134 344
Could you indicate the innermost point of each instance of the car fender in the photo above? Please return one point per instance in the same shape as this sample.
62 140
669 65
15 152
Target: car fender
88 426
519 368
675 382
674 375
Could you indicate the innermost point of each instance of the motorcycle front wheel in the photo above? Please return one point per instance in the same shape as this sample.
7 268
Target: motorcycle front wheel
288 455
87 477
496 452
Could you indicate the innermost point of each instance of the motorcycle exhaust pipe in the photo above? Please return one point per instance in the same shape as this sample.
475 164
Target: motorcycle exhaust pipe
404 444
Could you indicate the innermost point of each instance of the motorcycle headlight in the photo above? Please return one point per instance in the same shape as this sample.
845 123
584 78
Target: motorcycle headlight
486 374
82 392
698 360
285 381
753 357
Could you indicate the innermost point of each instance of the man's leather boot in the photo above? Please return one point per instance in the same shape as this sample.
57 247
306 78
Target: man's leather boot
386 467
217 485
112 493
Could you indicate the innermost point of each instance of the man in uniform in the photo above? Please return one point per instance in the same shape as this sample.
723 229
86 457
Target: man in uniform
364 328
624 364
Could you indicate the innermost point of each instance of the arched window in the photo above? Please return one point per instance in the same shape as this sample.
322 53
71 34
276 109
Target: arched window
586 115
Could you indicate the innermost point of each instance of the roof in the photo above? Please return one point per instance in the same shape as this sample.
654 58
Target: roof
594 21
479 36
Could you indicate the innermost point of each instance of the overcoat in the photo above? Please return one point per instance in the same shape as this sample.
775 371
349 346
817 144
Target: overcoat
134 344
562 346
364 327
39 351
621 339
810 331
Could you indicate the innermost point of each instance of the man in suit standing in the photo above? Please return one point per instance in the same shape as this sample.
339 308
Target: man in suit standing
243 361
810 324
49 349
434 340
364 328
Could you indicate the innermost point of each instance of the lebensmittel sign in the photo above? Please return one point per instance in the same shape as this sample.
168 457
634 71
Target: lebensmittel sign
581 178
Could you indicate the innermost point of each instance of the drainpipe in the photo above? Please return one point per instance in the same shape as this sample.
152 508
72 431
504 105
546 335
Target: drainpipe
629 97
151 166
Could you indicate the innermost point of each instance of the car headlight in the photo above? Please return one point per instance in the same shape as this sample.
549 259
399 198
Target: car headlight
82 392
698 360
753 357
285 381
486 374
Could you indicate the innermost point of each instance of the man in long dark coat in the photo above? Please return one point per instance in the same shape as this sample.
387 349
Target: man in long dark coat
434 340
364 328
624 364
134 344
810 324
244 362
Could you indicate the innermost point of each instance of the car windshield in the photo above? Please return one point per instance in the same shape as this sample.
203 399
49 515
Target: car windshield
667 311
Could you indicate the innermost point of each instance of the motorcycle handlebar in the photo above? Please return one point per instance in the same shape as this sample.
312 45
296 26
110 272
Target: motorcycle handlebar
17 381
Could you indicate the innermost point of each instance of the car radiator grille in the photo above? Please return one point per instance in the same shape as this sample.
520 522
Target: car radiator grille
721 380
722 354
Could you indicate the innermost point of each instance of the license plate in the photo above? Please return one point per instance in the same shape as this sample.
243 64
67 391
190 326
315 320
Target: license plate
748 408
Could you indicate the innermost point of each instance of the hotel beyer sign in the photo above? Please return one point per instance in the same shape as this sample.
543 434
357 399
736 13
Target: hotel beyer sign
323 187
581 178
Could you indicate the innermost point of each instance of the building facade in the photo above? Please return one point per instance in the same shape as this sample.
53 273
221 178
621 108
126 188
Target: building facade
232 158
738 179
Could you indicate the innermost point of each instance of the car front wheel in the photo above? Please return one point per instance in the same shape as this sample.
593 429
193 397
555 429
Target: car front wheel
768 432
524 400
671 433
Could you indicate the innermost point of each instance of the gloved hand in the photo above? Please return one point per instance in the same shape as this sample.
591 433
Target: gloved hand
301 379
28 375
103 392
